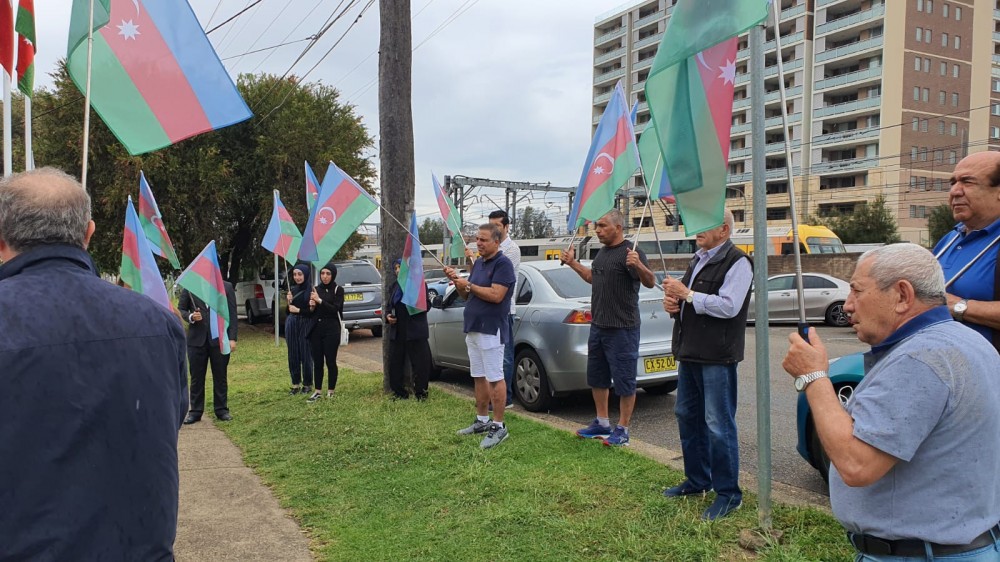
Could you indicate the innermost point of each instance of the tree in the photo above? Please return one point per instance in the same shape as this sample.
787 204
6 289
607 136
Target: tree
869 223
431 231
939 223
532 223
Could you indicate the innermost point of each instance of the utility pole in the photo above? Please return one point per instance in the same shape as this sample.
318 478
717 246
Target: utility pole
395 122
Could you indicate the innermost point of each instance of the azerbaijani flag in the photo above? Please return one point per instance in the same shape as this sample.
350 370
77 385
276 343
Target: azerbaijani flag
612 160
24 25
341 208
452 221
411 272
282 236
203 279
312 188
138 269
152 224
156 79
652 166
690 96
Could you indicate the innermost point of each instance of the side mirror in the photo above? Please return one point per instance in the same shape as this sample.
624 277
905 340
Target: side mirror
437 302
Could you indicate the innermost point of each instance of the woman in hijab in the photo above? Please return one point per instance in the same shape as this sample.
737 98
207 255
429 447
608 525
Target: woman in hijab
298 325
407 339
327 304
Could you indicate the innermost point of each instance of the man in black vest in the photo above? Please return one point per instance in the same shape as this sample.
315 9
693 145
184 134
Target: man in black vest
709 306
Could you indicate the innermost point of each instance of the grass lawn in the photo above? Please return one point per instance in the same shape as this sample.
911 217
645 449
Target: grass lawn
372 479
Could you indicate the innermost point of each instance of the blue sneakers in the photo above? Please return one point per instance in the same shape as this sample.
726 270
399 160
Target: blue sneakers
595 431
618 437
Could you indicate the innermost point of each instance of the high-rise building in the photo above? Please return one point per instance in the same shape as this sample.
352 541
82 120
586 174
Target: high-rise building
883 98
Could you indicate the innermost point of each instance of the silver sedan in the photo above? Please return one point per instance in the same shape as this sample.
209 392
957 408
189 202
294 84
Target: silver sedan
824 299
551 329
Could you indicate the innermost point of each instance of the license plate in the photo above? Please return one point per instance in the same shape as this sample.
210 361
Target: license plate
349 297
660 363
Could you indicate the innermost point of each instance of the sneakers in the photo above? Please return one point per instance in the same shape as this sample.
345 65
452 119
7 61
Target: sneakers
683 489
315 396
721 507
595 431
477 427
494 437
295 390
329 393
306 389
618 437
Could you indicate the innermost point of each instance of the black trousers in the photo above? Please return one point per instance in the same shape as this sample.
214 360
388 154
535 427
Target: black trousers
325 343
199 358
419 354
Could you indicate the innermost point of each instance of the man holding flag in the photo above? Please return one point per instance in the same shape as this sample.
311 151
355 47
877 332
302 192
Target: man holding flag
407 319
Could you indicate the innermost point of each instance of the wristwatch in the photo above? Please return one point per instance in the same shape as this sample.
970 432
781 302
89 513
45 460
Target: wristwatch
690 297
802 382
958 311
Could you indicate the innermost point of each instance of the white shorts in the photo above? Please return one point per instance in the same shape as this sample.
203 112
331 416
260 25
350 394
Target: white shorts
485 355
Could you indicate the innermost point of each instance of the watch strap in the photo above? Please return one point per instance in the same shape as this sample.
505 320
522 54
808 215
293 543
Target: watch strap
809 378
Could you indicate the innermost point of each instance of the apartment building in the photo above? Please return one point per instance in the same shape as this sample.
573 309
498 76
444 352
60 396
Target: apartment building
883 98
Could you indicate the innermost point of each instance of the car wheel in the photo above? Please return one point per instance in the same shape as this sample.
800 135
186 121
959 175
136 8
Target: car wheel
251 317
661 389
820 460
531 384
431 293
835 315
377 331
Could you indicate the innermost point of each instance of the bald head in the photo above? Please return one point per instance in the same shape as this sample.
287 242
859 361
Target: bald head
42 207
974 195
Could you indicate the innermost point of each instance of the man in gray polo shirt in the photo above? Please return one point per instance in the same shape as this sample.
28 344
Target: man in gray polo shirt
915 457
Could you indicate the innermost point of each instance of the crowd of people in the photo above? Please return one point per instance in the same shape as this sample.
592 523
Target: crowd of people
914 452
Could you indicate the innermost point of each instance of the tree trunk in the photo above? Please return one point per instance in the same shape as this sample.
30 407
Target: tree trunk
395 142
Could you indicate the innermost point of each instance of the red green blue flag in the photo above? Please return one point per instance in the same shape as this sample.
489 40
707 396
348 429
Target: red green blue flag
138 269
411 272
156 80
612 160
152 224
312 188
203 279
24 25
282 236
452 221
340 209
690 96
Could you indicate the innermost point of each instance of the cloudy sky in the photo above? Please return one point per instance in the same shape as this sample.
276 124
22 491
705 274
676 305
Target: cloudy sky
501 89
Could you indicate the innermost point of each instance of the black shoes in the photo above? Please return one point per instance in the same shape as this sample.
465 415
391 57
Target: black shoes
224 416
683 489
192 418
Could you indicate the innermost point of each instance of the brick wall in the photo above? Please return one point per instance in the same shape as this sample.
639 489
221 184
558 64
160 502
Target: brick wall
837 265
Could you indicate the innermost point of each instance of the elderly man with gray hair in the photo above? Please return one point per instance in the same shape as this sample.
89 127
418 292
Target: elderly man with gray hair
914 453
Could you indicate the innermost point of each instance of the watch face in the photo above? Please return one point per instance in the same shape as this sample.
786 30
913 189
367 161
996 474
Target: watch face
800 383
960 307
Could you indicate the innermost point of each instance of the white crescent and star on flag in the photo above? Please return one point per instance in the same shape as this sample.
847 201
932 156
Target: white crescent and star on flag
322 219
128 29
598 169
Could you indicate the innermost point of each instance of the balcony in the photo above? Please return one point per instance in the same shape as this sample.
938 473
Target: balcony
608 76
770 71
867 103
849 78
772 174
847 165
648 19
739 153
996 14
616 54
821 3
769 148
741 128
651 40
609 36
846 136
786 40
844 50
876 11
794 11
601 98
996 59
775 121
996 36
771 97
644 63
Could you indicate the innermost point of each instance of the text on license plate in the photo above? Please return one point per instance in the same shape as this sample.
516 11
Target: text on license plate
660 363
353 297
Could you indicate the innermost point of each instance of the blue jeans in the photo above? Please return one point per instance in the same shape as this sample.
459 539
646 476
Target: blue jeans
990 553
508 359
706 418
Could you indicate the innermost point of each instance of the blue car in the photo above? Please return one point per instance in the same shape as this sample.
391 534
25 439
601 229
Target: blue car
845 374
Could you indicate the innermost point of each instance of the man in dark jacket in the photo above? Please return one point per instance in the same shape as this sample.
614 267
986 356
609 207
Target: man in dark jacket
709 305
93 387
202 350
408 336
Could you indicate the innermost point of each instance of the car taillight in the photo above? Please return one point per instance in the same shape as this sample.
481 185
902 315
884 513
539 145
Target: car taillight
378 312
578 317
258 292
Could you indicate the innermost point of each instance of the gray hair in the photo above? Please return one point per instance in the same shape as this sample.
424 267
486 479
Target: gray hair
493 229
615 217
907 262
43 207
729 219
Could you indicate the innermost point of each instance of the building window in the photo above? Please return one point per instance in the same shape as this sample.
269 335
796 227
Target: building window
916 94
930 6
927 65
921 183
954 129
916 123
916 64
923 125
913 154
920 5
952 157
923 153
927 94
995 132
995 109
942 97
944 68
954 71
940 127
958 42
944 10
920 34
958 13
944 39
927 36
777 213
938 156
918 211
996 85
954 99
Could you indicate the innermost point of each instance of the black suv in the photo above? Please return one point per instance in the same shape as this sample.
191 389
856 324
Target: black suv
362 295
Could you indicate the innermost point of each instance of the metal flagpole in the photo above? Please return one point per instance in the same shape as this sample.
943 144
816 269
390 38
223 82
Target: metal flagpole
86 100
656 233
29 156
407 229
274 298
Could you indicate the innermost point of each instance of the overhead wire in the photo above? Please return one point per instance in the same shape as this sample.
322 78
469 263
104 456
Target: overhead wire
289 34
234 16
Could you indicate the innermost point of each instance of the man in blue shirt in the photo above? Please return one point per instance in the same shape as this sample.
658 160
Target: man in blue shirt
974 198
488 290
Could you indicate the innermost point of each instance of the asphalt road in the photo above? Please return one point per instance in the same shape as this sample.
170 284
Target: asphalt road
654 422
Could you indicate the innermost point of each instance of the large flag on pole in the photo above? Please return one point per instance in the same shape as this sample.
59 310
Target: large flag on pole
203 279
156 79
411 272
690 96
612 160
282 236
312 188
25 27
138 269
152 224
341 208
452 221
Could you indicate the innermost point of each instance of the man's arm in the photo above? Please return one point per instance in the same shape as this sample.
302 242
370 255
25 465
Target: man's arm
984 313
568 257
637 261
231 301
186 306
732 294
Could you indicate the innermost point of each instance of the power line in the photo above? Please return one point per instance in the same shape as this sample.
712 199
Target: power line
289 34
236 15
262 49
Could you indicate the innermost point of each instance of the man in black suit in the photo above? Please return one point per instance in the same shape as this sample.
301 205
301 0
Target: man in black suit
408 336
202 350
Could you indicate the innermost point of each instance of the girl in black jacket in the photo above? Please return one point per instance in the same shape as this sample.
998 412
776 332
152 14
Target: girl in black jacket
327 304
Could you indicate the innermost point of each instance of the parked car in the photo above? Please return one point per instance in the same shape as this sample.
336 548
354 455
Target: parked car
362 295
254 298
551 329
845 374
824 299
433 275
440 286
